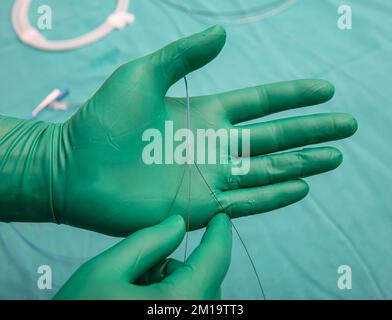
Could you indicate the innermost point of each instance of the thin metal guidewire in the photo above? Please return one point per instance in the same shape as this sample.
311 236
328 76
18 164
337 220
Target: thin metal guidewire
236 231
235 12
212 16
188 123
216 199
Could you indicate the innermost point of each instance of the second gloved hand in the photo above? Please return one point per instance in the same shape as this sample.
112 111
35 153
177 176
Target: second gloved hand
135 268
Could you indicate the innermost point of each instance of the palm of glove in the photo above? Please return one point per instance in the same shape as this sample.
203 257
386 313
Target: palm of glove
104 184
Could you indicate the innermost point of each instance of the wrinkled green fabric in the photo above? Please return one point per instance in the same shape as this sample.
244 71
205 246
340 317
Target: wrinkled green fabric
88 172
135 268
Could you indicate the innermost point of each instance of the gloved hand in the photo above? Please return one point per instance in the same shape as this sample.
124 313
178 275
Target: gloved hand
135 268
89 171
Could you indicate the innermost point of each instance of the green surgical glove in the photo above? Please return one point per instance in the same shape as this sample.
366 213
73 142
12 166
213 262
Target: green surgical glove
135 268
89 171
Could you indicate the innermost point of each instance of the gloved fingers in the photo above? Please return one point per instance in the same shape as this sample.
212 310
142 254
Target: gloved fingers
159 271
255 102
248 201
283 134
186 55
207 266
145 248
286 166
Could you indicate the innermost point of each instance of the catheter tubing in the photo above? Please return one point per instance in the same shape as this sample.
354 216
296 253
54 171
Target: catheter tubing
31 36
